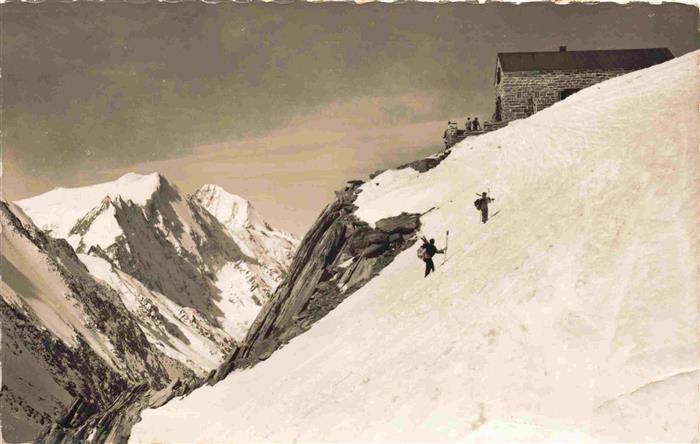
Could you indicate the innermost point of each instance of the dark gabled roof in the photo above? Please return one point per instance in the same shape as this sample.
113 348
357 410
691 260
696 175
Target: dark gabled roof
567 60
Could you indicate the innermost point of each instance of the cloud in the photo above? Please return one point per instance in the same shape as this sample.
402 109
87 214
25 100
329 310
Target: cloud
290 172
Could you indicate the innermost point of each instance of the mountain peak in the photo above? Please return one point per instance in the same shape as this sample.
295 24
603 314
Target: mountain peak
58 210
136 178
232 210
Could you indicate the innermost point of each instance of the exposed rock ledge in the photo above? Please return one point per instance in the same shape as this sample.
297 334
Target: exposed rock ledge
337 257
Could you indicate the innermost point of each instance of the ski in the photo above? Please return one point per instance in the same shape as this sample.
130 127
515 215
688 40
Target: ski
493 215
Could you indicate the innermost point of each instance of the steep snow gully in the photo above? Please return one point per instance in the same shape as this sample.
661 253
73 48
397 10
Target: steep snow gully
571 315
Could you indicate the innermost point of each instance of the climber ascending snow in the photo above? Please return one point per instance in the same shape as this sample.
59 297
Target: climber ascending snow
426 252
483 204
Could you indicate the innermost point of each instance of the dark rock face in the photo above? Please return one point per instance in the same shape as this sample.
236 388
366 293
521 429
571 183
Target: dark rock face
376 173
82 422
338 256
402 224
154 261
421 165
428 163
215 247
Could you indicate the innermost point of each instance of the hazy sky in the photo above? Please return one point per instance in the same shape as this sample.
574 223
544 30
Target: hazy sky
278 103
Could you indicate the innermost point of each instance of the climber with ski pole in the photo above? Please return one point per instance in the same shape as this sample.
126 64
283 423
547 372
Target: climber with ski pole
482 204
426 253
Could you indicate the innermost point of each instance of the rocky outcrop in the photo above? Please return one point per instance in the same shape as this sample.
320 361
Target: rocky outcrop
423 165
82 422
420 165
338 256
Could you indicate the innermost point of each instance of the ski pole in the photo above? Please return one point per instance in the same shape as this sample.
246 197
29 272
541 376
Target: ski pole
447 238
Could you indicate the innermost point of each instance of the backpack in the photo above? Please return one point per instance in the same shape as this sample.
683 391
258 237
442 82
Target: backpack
422 253
477 204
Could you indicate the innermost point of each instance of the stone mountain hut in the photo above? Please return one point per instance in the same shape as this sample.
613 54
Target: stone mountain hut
527 82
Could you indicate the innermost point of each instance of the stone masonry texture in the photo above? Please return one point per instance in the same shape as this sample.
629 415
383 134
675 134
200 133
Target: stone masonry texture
523 93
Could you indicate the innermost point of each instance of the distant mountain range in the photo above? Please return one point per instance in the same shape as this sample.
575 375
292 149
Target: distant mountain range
123 283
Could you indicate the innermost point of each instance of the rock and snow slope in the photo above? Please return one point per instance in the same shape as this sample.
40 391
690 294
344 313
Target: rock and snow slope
65 337
570 315
194 284
247 284
272 248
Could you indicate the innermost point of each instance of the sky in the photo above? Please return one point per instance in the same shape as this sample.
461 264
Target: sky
278 103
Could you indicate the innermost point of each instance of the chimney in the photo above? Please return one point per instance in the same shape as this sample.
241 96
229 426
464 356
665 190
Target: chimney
562 49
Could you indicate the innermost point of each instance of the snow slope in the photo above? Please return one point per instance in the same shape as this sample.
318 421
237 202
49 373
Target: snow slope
570 316
166 325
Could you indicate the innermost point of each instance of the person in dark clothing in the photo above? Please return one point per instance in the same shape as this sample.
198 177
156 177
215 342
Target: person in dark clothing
430 250
483 205
476 126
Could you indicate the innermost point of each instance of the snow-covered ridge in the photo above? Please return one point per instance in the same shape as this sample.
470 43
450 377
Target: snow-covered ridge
57 211
231 210
571 316
245 225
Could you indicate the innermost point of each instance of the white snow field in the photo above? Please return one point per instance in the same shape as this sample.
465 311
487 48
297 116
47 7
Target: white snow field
572 315
57 211
194 348
270 246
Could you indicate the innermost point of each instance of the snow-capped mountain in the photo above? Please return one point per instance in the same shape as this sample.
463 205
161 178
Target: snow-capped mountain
271 248
160 249
191 285
570 316
66 335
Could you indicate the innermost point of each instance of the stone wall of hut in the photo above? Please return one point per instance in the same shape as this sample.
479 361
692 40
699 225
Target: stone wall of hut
523 93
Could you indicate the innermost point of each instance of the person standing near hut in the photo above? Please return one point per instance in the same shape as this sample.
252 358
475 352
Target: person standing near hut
476 126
